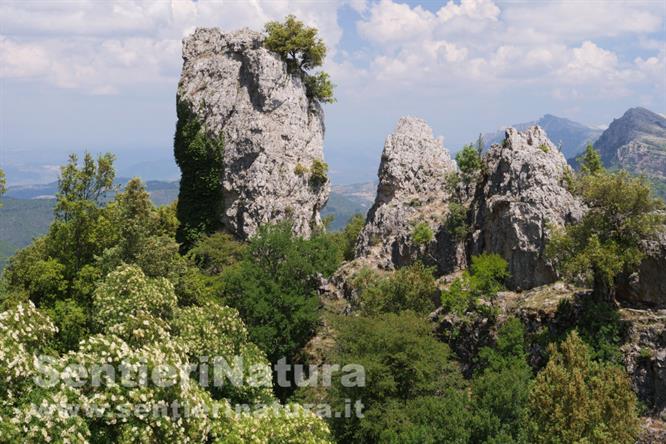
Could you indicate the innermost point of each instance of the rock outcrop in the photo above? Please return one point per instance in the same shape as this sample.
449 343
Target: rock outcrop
647 287
520 196
411 192
273 133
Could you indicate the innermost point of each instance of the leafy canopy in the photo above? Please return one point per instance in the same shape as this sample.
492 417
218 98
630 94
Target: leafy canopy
302 49
590 161
622 214
274 287
500 388
413 389
408 288
575 399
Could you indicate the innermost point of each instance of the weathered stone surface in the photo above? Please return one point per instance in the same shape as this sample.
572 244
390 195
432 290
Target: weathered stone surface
411 190
648 285
645 357
521 194
272 132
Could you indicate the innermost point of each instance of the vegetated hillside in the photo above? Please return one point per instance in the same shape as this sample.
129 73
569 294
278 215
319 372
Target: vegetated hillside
571 137
21 221
27 214
347 200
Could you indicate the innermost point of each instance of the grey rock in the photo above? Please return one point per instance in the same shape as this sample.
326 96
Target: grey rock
644 355
648 285
271 129
521 195
412 190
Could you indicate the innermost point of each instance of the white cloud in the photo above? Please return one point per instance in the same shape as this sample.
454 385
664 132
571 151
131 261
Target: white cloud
473 9
391 21
101 47
473 44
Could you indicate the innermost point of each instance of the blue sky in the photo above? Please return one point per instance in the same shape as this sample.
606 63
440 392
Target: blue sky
102 76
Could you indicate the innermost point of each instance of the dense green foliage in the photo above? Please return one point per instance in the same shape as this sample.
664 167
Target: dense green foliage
484 279
413 391
576 399
302 49
408 288
200 158
127 296
274 287
347 237
456 221
622 213
469 162
500 389
590 161
318 173
422 234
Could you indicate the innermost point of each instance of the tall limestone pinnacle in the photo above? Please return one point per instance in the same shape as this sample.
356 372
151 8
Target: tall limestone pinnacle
272 132
522 194
411 191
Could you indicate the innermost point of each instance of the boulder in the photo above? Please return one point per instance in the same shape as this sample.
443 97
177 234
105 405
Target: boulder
273 132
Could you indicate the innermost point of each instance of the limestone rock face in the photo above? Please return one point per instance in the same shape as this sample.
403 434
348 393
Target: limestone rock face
648 286
521 194
272 131
411 191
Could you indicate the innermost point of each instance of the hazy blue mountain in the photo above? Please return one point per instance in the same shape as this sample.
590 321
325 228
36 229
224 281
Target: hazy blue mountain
570 136
20 221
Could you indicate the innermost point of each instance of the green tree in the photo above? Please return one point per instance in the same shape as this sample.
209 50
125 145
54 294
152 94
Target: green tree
484 279
212 254
408 288
302 49
200 158
622 214
470 163
413 388
500 389
350 235
274 287
73 237
590 161
575 399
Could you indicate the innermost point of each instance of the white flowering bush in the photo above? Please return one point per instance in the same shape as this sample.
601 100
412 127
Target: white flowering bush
127 291
275 424
217 332
122 384
24 331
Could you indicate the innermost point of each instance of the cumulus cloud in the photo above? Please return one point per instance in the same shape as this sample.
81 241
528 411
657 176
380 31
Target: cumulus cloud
475 43
102 47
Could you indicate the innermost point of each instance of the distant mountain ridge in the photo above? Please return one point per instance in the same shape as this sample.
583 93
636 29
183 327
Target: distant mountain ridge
636 142
570 136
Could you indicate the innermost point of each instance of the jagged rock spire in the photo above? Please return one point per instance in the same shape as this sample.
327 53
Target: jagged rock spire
273 133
